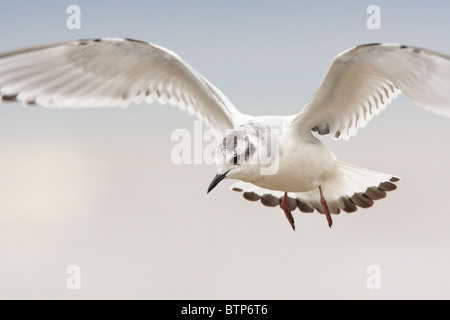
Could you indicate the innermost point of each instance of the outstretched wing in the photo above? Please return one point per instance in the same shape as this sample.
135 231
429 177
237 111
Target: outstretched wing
110 72
362 81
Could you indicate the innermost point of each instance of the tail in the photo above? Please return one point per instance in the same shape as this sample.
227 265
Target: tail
352 187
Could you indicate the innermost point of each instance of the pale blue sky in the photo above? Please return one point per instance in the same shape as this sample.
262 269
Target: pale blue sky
97 188
245 47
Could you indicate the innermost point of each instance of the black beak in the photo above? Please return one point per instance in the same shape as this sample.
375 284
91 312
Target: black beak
219 177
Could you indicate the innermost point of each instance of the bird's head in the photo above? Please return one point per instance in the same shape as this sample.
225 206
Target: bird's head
243 154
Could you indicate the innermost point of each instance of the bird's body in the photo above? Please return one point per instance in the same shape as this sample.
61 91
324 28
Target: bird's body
278 159
303 162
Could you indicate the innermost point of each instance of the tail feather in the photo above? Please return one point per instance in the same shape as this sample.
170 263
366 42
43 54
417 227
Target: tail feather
353 187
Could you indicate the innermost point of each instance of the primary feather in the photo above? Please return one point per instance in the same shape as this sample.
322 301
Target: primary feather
362 81
110 72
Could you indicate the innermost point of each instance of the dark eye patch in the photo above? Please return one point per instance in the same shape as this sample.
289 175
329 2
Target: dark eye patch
249 150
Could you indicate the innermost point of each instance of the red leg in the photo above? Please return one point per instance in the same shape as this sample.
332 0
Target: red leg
287 211
325 208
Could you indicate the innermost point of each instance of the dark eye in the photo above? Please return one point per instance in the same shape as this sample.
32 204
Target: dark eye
235 159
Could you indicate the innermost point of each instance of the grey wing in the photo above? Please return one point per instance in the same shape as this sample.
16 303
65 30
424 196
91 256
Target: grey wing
110 72
362 81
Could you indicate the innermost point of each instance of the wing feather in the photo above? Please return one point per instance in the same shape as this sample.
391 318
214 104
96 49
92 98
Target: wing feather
111 72
362 81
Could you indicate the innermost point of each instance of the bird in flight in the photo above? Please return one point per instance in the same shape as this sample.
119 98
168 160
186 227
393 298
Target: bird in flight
300 172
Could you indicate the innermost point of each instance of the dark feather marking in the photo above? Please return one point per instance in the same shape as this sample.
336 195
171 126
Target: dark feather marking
375 194
134 40
370 106
325 130
251 196
386 92
322 129
387 186
10 98
361 200
304 207
381 97
292 203
369 45
366 111
31 103
349 206
269 200
377 102
319 209
391 86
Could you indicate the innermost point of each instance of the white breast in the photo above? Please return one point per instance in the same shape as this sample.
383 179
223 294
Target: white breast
303 165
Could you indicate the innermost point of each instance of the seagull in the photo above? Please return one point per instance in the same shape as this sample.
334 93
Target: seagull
359 84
